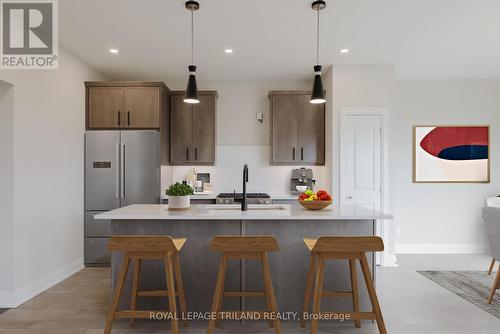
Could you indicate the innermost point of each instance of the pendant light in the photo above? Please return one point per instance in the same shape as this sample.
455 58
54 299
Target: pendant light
318 94
191 95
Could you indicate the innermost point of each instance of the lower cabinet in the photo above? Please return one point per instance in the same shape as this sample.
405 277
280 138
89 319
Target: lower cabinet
96 252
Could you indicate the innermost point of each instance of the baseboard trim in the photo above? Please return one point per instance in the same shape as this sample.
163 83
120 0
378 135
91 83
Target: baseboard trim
7 299
25 293
442 249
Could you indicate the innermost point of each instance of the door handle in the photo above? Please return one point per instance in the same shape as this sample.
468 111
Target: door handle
349 197
122 165
302 153
117 179
119 118
195 153
128 118
293 154
187 153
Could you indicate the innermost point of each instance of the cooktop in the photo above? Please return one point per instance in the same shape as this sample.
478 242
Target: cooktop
240 195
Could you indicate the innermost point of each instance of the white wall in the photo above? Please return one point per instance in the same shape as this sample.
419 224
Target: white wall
6 191
242 139
48 134
441 218
357 86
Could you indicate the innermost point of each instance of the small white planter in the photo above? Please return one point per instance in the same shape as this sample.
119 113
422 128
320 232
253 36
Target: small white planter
179 202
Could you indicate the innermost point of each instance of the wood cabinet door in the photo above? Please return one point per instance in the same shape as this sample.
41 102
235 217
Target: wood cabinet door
203 145
181 122
311 131
285 123
105 107
142 107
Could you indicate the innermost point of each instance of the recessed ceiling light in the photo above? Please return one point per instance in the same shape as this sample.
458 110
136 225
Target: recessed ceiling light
228 50
344 50
114 51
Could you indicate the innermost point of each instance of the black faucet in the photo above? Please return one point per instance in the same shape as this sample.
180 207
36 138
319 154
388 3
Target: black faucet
245 180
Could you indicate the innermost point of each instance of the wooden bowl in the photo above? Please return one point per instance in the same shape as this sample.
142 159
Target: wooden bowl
315 205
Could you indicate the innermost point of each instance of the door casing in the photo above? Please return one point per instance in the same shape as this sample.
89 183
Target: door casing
385 228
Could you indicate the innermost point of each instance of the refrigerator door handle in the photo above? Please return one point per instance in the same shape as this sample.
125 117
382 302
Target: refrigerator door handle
122 166
117 179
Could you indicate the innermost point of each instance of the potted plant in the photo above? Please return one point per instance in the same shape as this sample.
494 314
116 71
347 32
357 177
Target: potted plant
179 196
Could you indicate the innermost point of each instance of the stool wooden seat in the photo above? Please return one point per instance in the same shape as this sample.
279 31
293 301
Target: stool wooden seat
244 247
348 248
137 248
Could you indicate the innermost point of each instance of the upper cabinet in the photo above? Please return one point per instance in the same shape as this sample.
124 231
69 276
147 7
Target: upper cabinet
193 134
125 104
297 129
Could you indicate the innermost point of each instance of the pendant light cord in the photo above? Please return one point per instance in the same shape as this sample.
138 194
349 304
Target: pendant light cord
317 39
192 37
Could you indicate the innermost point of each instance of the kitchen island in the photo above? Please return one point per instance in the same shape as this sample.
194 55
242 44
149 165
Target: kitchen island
288 223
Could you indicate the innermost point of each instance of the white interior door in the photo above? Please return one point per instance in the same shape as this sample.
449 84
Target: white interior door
360 172
361 163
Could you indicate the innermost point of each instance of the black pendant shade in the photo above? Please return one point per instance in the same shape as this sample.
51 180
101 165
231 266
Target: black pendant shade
318 93
192 88
191 95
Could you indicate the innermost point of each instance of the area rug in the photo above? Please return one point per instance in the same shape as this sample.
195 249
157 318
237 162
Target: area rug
473 286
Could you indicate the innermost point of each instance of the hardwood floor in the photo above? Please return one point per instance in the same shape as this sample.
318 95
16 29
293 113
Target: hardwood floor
2 310
79 305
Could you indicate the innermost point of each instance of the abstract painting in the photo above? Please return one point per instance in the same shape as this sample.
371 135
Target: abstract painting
451 154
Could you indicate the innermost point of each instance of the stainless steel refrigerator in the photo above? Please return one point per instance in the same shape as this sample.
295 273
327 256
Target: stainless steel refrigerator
121 168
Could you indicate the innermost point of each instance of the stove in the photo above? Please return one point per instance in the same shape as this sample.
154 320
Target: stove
234 197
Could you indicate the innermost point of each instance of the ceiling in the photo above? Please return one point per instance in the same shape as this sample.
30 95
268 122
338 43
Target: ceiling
275 39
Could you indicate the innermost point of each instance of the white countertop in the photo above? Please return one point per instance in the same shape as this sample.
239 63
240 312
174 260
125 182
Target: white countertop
232 212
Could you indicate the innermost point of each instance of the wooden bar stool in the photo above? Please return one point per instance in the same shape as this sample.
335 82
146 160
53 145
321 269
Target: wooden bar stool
347 248
244 247
138 248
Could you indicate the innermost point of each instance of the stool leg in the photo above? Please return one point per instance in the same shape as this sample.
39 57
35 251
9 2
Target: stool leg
180 288
221 301
267 296
135 286
169 272
309 286
354 288
219 292
494 286
373 294
492 264
118 292
268 283
318 290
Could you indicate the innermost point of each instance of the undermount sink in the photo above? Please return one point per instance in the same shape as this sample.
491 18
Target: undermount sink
251 207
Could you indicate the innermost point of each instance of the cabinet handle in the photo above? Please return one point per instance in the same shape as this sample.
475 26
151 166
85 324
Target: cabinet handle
187 153
301 153
195 153
119 118
128 118
293 154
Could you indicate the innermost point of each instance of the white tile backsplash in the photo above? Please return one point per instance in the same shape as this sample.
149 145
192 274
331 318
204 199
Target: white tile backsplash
227 174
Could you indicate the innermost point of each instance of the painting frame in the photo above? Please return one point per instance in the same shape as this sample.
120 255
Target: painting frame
488 163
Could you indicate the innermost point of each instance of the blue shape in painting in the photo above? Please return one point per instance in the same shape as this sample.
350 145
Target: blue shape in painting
464 152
